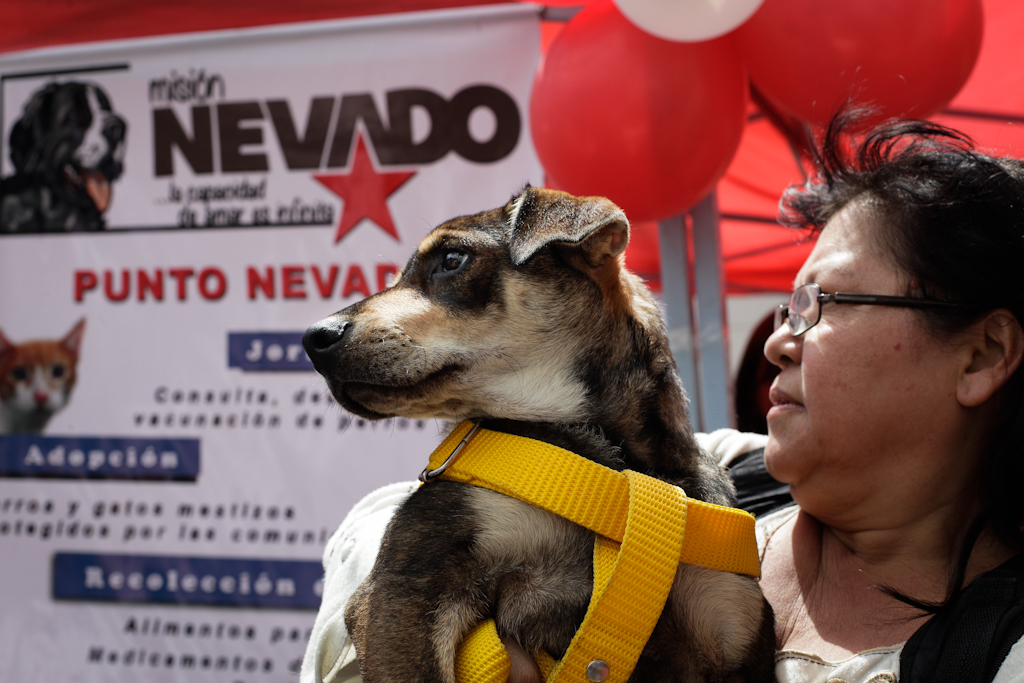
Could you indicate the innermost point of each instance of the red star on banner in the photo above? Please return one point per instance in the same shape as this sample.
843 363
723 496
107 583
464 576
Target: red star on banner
364 192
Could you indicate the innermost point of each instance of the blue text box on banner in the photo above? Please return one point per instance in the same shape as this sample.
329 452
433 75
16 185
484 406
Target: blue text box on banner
74 457
291 584
263 351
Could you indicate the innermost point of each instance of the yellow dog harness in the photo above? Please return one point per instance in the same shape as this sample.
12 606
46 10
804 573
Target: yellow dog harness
644 528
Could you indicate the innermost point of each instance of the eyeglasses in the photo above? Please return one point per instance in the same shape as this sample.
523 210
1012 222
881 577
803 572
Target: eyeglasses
804 308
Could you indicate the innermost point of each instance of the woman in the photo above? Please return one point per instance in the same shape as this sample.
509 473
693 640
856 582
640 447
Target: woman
898 410
899 427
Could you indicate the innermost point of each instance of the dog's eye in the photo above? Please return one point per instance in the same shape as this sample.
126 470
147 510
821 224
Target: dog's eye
453 260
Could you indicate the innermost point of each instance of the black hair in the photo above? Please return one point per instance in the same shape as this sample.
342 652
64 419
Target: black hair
755 373
953 222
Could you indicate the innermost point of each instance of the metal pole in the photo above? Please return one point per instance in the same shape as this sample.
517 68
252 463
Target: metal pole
713 337
676 297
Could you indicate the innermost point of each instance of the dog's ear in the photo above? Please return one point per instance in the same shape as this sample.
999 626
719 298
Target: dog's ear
28 134
539 217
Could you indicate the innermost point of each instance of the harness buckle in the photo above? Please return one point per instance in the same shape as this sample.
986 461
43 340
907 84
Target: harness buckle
428 475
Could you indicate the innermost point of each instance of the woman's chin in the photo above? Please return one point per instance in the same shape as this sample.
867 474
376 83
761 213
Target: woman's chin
781 457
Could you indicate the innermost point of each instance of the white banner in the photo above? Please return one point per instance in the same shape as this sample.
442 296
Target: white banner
173 214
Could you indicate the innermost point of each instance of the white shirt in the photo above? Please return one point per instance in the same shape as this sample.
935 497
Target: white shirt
350 553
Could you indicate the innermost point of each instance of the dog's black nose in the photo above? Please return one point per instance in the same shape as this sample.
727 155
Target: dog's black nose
323 336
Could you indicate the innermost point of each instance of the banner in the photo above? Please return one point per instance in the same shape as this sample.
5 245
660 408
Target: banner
174 213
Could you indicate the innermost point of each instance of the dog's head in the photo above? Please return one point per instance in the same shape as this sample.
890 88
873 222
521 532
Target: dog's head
500 314
67 135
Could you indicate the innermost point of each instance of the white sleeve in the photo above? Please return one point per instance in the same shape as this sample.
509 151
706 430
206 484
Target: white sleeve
1012 669
348 559
725 445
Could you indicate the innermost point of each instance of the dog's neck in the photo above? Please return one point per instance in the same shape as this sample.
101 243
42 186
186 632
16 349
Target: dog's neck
584 439
635 413
652 435
654 447
645 416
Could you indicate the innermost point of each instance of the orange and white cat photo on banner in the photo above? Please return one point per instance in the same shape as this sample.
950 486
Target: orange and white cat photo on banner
174 212
36 380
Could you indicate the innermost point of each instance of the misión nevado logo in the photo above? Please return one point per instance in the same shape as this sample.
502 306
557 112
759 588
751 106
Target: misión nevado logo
346 144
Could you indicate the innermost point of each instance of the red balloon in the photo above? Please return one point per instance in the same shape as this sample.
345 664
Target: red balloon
650 124
561 3
908 58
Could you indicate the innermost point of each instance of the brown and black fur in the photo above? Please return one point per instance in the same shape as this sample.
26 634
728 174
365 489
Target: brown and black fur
525 317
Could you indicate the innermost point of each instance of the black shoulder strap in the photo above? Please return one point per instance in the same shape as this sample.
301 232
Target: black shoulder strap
756 491
967 641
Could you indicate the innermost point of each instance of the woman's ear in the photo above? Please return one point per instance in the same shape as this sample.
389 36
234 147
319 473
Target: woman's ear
996 346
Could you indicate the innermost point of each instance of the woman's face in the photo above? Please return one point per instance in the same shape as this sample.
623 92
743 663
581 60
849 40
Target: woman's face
864 415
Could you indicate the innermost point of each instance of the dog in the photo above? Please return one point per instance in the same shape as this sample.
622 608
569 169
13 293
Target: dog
67 148
524 317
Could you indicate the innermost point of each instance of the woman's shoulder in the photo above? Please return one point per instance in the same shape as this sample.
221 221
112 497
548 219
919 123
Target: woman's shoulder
979 630
878 665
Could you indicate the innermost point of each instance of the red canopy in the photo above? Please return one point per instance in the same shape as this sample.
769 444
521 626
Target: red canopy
759 255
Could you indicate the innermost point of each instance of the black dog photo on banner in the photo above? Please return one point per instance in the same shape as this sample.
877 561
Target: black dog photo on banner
67 149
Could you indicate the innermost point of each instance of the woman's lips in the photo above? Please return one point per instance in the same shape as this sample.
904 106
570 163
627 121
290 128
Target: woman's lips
782 401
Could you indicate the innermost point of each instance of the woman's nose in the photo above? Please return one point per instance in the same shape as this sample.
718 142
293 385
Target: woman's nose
782 348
